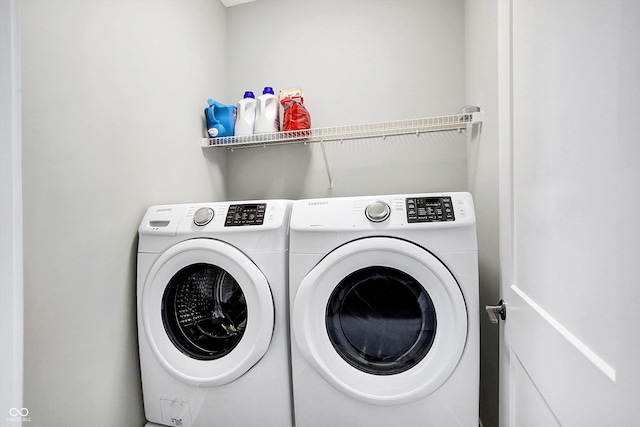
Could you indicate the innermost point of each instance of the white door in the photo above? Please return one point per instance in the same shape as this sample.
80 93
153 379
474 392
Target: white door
570 206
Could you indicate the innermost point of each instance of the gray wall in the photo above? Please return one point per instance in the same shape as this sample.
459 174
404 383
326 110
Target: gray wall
481 31
113 98
358 61
113 93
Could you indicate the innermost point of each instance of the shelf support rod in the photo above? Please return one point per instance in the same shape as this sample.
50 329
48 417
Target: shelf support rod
326 163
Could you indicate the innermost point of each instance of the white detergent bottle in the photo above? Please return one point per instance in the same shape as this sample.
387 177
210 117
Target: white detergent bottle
267 112
246 117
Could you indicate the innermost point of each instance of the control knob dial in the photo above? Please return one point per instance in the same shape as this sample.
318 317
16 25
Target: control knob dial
377 211
203 216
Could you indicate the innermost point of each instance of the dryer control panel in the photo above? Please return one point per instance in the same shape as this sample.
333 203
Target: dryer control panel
385 212
441 222
429 209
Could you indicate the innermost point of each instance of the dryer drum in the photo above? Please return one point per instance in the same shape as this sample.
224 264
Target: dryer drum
381 320
204 311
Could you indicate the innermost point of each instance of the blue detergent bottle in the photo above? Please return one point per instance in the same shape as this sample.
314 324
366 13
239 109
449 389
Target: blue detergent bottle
220 119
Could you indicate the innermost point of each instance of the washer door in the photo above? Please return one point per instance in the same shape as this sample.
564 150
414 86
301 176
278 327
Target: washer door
382 320
207 311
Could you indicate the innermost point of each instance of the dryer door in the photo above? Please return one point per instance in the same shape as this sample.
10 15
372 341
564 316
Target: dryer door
382 320
207 311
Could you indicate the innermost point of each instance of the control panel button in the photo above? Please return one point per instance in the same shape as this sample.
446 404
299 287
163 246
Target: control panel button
377 211
203 216
429 209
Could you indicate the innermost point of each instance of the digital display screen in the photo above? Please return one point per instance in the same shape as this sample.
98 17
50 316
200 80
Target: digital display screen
248 214
429 209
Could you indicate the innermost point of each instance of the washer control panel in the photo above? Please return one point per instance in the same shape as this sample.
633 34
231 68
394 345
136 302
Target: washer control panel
245 214
429 209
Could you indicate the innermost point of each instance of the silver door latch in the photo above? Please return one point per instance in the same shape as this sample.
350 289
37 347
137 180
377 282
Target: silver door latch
493 311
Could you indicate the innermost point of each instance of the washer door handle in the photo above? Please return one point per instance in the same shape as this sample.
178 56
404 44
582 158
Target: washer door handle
493 311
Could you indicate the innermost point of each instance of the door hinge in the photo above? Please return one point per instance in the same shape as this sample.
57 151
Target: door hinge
497 312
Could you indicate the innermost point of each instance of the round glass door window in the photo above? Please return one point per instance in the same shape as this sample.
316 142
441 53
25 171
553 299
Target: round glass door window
204 311
381 320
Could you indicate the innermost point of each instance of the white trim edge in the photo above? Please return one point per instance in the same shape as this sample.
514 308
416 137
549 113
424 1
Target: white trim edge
11 246
607 369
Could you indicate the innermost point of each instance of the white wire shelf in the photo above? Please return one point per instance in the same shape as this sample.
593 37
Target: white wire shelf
339 133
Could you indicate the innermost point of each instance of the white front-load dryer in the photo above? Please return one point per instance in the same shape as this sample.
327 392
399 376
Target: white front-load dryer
212 314
384 311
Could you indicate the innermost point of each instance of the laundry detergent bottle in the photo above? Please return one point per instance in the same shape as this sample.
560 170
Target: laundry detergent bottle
267 112
246 115
220 119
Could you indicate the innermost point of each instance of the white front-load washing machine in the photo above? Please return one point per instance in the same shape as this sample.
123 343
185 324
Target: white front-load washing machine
212 314
384 311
